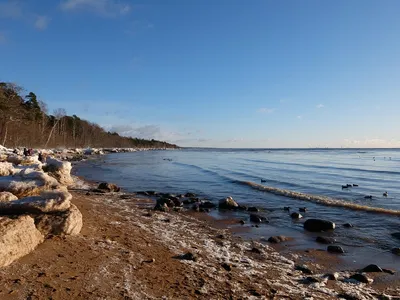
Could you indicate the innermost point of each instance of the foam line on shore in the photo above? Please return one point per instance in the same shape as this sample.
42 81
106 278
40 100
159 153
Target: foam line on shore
324 200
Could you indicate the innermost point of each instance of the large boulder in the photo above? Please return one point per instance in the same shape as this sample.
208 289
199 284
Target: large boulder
396 235
47 202
68 222
317 225
258 219
228 203
7 197
61 170
109 187
18 237
6 169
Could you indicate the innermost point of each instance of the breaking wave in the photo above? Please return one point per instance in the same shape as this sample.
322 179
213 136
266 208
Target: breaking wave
324 200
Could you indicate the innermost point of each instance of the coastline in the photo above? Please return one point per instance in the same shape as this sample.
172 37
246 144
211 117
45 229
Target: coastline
128 251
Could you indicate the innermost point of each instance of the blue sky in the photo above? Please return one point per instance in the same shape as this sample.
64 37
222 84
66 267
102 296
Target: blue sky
222 73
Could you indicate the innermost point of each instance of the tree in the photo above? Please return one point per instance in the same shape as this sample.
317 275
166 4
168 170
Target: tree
58 114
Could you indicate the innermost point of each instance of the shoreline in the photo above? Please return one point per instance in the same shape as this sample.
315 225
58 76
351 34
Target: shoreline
128 251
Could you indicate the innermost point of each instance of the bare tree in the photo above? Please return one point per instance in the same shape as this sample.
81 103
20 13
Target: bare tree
58 114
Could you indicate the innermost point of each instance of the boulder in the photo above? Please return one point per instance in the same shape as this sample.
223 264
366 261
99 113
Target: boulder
296 215
63 223
228 203
18 237
190 195
277 239
6 169
7 197
258 219
161 207
371 268
325 240
332 276
335 249
348 225
109 187
47 202
361 278
60 170
317 225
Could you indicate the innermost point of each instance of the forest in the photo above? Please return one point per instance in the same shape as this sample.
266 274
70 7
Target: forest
26 122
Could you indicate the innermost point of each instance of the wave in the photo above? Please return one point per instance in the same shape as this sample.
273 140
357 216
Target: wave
324 200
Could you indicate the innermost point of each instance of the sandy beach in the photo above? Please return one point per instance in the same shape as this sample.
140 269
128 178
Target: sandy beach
128 251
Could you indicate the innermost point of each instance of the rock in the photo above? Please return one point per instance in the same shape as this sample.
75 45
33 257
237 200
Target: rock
187 256
277 239
7 196
348 296
325 240
176 202
110 187
196 207
304 269
296 215
161 207
150 193
242 222
371 268
242 207
60 170
302 209
332 276
47 202
361 278
335 249
396 235
190 195
316 225
253 208
286 208
258 219
228 203
207 204
396 251
64 223
348 225
388 271
309 280
204 210
255 250
18 237
143 193
226 266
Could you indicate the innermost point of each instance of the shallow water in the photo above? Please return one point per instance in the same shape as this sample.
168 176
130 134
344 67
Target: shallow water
310 177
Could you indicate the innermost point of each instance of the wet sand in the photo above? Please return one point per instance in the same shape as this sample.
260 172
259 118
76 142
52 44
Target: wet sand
127 251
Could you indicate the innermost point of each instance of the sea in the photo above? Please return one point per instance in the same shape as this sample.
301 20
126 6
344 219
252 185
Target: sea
271 179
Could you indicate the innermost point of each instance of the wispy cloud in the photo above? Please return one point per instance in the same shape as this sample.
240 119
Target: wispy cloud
265 110
320 106
106 8
299 117
42 22
10 9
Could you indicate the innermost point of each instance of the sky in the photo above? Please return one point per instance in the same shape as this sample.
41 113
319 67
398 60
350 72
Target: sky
214 73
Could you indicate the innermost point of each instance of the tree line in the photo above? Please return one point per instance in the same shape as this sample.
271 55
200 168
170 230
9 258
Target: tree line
26 122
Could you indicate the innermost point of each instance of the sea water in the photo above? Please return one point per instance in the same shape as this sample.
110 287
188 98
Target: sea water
311 178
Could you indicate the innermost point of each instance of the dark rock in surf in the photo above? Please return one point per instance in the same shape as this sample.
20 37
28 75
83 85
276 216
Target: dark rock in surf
253 209
296 215
317 225
325 240
204 210
286 208
389 271
258 219
348 225
371 269
368 197
152 193
335 249
396 235
396 251
228 203
361 278
142 193
207 204
302 209
277 239
242 207
110 187
187 256
304 269
242 222
190 195
161 207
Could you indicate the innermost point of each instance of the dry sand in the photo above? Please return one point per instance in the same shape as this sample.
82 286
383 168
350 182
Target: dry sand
126 251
